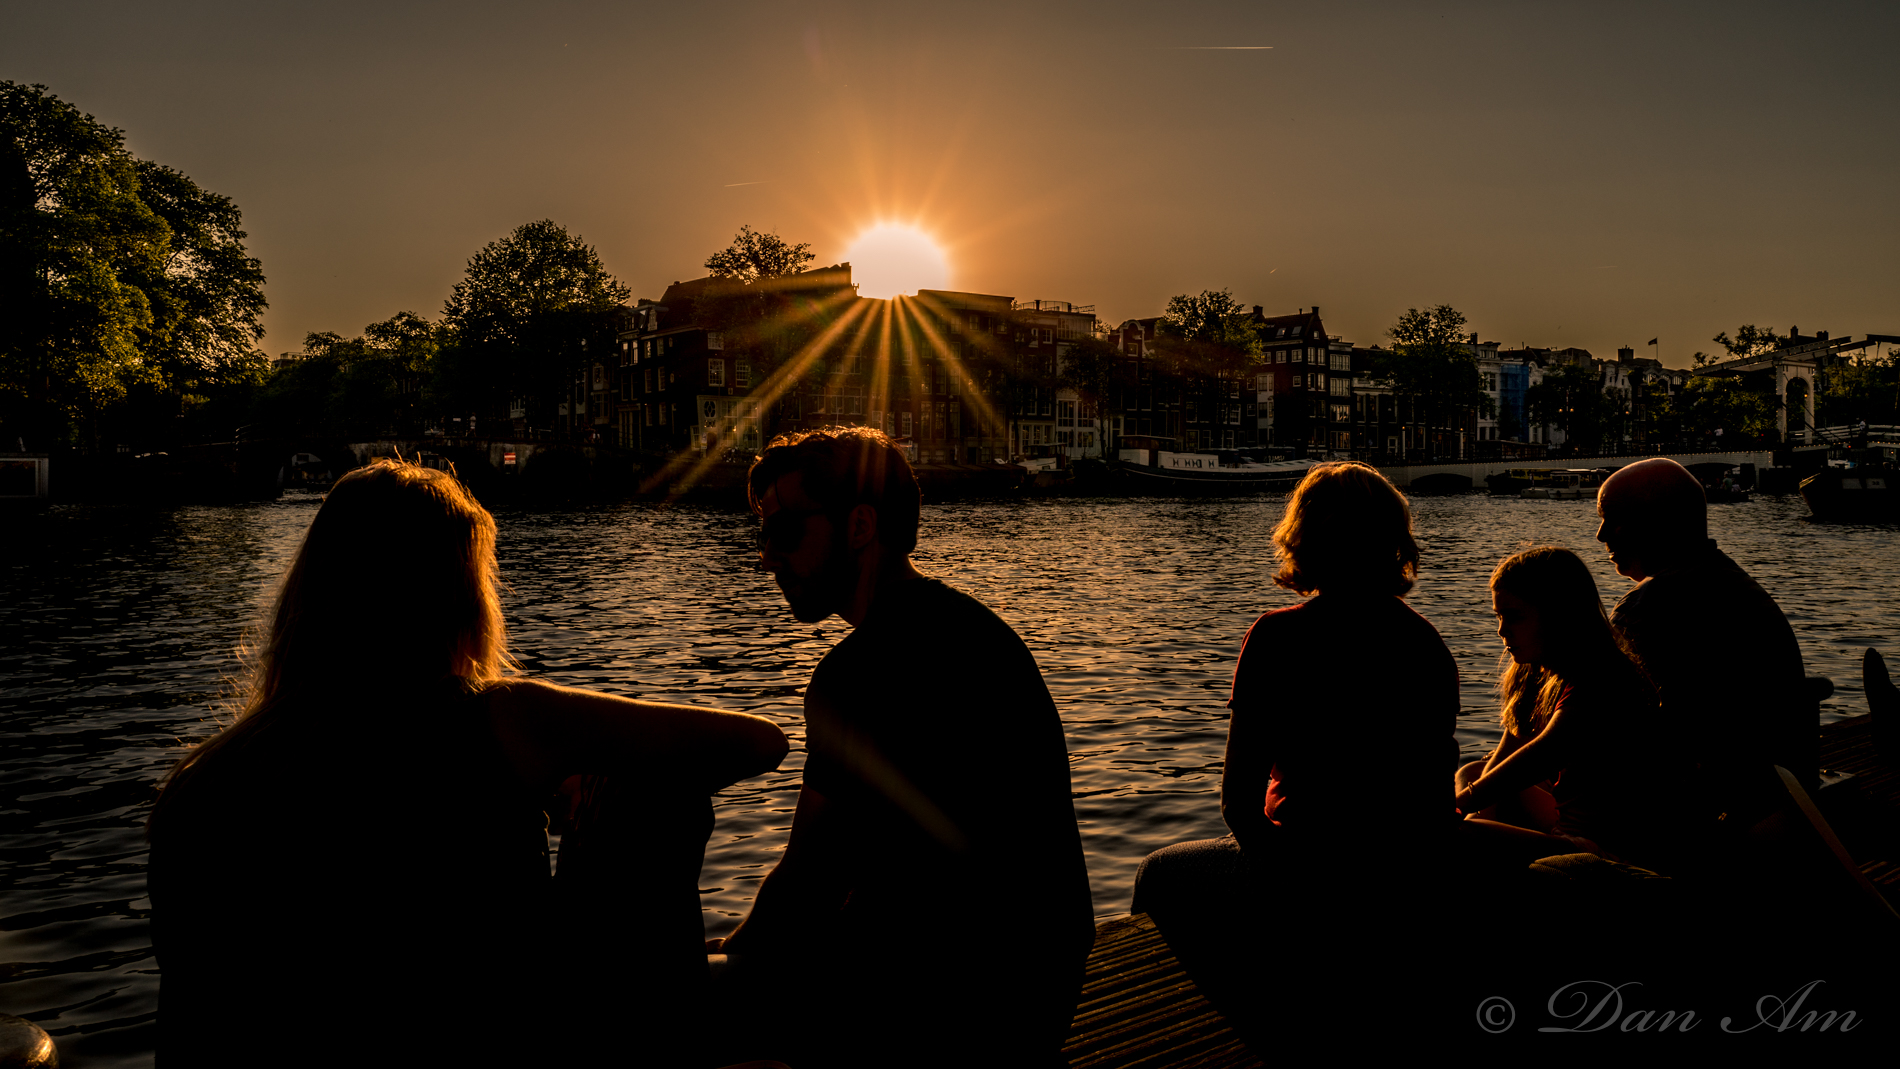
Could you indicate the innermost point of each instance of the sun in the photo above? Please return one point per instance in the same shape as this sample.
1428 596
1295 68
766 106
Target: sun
891 259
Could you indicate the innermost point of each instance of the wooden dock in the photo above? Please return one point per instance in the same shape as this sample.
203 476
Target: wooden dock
1139 1010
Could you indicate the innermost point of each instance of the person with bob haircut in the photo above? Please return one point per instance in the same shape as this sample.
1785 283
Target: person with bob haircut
1342 718
356 869
1564 778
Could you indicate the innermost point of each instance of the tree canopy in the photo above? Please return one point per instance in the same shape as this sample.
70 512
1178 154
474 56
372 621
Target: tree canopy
1209 333
754 255
515 284
1430 363
1750 340
115 274
523 315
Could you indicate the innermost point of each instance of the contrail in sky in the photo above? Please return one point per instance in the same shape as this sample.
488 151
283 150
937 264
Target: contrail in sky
761 182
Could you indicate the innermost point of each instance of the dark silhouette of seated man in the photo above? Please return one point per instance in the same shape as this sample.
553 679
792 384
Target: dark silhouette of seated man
932 905
1722 656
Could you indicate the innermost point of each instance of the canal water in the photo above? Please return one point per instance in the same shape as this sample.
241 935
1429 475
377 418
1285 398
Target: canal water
118 628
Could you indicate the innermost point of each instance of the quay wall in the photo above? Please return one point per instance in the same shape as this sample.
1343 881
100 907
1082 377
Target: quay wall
1402 475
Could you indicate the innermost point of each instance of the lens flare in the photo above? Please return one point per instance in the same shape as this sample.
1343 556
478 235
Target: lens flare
891 259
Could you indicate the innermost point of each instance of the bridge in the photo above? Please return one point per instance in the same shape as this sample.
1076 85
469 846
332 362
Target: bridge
1404 475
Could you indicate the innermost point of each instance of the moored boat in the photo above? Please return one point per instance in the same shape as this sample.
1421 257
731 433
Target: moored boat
1564 484
1862 493
1159 471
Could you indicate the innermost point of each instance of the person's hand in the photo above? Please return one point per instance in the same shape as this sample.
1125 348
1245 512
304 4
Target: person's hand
1464 802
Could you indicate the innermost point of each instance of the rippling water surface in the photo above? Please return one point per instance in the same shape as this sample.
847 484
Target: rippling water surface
117 631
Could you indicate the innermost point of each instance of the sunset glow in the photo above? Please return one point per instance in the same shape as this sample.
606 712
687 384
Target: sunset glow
890 260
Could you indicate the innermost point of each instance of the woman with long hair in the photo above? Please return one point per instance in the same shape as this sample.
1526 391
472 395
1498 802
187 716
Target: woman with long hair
1565 777
355 869
1342 719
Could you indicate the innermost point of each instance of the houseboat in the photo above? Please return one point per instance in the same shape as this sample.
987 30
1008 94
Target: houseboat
1226 471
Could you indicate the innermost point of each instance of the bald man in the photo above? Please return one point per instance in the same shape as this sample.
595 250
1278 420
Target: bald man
1722 655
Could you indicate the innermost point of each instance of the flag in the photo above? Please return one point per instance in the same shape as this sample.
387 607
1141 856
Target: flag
1652 341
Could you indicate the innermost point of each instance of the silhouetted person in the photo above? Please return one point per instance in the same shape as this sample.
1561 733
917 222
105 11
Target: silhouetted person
1722 656
355 870
1565 778
932 906
1343 712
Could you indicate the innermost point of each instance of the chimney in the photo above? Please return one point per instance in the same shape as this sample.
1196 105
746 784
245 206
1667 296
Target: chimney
1820 335
1625 354
1474 337
1257 310
1316 309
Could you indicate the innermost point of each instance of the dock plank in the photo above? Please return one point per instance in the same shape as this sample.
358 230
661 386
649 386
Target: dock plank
1139 1010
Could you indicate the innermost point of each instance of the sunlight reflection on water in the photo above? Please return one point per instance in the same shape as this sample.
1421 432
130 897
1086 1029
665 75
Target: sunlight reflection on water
117 626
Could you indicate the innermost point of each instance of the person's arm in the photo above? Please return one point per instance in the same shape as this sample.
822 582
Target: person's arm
1532 763
809 881
1247 768
1245 774
551 732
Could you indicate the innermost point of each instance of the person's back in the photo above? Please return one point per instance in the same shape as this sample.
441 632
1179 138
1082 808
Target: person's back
1348 690
1725 661
403 887
932 735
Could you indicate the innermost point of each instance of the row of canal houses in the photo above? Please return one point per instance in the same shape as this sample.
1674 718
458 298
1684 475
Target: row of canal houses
715 369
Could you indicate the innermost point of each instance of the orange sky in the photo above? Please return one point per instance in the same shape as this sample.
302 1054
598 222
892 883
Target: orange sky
1589 174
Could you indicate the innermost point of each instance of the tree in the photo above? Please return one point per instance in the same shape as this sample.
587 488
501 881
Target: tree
74 240
1570 398
1711 402
1209 341
118 277
1430 364
208 301
754 255
1749 341
1213 320
523 317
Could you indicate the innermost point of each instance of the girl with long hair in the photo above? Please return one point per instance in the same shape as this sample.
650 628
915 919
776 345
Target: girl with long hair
1564 778
356 868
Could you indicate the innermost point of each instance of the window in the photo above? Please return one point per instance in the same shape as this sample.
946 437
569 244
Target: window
1299 356
1048 335
647 381
742 373
715 340
1340 387
716 371
1065 413
906 424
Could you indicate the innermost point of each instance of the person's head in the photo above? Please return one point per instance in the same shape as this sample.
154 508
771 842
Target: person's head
1547 607
1654 512
392 591
1346 529
1551 620
401 556
832 501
